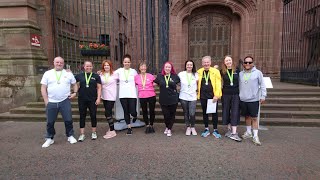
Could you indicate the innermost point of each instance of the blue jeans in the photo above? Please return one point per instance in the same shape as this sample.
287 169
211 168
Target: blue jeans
52 110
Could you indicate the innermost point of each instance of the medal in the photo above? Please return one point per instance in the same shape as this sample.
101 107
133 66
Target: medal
230 77
126 74
57 77
167 78
246 78
189 79
87 79
143 80
206 76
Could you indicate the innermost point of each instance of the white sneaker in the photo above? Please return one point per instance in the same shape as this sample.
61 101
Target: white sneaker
82 137
166 131
188 131
48 142
72 140
169 134
246 135
193 131
94 136
256 141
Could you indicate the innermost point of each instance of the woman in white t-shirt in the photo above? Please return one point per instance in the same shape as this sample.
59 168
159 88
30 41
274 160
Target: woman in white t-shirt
127 91
188 95
108 94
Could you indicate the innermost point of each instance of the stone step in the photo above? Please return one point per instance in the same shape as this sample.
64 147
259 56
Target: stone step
269 100
159 118
264 113
270 95
267 106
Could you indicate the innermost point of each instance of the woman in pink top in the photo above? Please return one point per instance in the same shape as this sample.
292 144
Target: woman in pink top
108 94
147 95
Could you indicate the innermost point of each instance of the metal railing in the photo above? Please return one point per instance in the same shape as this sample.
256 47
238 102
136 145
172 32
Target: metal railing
300 55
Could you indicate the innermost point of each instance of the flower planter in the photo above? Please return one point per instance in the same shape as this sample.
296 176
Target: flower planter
95 52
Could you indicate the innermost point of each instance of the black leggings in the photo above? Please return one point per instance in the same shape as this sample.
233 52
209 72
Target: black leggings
206 116
129 106
91 105
108 106
169 113
144 106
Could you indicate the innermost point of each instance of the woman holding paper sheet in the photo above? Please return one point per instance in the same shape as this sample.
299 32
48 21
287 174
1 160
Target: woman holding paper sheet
209 88
230 98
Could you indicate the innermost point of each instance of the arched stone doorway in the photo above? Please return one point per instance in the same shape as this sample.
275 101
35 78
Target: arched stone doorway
214 31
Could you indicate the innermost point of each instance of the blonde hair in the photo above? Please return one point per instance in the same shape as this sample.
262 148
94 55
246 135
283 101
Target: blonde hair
224 67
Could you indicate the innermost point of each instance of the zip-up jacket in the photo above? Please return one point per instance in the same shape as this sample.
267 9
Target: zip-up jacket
215 79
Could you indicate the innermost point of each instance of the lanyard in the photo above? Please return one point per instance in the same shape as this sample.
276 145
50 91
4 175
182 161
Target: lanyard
245 77
143 80
126 74
189 78
106 78
206 76
58 78
167 80
87 79
230 77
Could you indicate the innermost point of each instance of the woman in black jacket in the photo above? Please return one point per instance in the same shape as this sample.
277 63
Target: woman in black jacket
169 96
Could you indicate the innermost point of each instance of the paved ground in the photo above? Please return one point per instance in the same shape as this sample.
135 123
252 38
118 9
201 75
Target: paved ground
286 153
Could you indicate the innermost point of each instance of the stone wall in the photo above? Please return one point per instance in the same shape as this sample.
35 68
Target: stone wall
21 64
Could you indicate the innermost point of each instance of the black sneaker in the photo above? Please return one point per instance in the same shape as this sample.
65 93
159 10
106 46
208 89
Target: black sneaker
147 131
129 132
152 129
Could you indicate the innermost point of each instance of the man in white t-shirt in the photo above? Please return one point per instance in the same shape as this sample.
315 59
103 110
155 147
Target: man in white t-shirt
55 90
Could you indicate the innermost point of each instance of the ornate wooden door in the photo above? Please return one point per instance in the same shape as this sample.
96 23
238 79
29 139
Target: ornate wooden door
209 34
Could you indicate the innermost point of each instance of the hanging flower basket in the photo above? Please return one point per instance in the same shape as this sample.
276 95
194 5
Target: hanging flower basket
94 49
95 52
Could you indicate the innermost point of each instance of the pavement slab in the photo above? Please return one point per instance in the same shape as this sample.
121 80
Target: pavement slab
286 153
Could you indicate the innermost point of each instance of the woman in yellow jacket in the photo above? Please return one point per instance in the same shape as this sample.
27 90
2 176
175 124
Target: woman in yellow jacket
209 87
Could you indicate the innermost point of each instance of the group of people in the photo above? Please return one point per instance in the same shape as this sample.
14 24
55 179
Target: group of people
237 90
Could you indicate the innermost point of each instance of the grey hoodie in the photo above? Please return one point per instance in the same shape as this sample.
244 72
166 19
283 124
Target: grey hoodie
254 89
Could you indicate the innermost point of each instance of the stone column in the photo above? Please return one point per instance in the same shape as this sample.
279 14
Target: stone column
21 64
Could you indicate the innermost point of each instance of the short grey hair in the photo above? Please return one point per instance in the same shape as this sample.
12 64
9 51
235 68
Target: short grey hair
206 57
58 57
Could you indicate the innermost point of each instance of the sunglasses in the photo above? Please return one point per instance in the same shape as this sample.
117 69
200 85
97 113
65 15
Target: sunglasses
247 62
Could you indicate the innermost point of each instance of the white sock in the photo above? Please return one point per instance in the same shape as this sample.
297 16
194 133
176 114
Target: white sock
255 133
249 129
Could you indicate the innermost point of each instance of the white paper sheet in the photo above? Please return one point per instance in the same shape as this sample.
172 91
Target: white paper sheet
211 106
267 82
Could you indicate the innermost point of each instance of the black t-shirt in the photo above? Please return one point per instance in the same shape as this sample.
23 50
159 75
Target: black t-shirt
170 95
206 91
227 88
88 93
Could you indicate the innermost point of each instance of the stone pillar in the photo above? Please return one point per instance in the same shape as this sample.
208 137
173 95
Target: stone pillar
21 64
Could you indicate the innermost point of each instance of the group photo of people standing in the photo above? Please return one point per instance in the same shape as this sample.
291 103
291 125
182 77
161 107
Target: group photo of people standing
239 89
